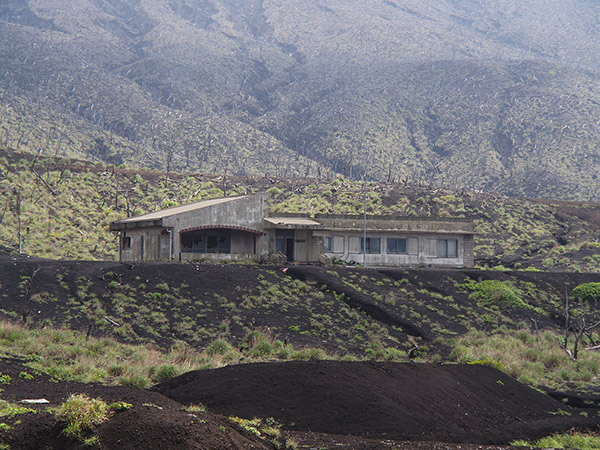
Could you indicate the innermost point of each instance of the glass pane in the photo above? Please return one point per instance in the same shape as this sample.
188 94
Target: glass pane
225 242
401 245
442 249
374 245
452 248
212 243
280 245
391 246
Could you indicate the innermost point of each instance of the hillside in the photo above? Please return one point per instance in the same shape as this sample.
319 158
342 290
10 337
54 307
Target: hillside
344 311
480 95
66 207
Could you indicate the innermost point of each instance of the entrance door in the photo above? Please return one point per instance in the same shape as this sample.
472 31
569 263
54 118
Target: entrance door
284 243
289 249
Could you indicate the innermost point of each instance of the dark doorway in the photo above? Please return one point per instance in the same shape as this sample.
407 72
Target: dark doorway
289 249
284 243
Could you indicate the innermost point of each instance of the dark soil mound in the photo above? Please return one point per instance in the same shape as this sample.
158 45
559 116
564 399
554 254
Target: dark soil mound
154 421
451 403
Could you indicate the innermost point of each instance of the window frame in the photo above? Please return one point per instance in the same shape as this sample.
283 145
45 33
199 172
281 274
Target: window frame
369 246
443 248
220 240
396 251
332 241
126 242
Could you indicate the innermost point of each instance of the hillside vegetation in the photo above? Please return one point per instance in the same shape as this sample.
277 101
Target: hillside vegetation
480 95
66 207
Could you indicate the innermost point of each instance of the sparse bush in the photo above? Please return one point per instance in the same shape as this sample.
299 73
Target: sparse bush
576 441
164 372
589 292
495 293
134 381
527 359
81 415
219 347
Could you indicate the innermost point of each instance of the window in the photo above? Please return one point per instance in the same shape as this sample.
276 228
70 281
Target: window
354 244
396 245
126 244
281 240
334 244
373 245
206 241
447 248
328 243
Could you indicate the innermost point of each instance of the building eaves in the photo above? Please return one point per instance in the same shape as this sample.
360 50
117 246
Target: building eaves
155 218
292 223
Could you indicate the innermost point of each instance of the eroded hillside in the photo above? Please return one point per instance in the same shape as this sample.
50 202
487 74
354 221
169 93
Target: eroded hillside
485 95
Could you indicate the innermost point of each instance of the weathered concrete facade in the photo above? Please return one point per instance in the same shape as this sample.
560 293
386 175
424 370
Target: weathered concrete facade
389 241
240 228
219 229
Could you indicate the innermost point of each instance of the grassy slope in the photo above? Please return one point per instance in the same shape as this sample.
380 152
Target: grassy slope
417 95
69 217
243 313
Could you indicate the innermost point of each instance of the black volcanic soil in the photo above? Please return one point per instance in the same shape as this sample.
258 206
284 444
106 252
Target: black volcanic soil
300 305
453 403
324 405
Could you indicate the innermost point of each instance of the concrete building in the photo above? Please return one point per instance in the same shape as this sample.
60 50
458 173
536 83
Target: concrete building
240 228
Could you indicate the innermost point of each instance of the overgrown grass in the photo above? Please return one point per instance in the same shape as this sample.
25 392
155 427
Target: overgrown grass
529 358
82 415
68 355
497 293
580 441
267 429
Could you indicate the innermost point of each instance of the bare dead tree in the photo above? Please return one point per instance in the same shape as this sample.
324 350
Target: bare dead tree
581 324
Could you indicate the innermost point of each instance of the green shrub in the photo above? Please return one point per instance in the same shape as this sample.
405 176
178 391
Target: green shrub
580 441
261 349
587 292
164 372
495 293
219 347
81 415
120 406
487 362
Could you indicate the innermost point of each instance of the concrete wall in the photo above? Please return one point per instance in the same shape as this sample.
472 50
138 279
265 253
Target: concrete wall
245 212
421 235
144 245
154 242
421 249
160 239
218 257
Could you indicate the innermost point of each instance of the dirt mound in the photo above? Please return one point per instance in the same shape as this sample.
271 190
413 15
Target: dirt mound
154 421
142 427
450 403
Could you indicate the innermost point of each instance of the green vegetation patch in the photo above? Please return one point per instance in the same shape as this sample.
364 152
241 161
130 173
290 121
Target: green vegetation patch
589 292
502 294
82 415
579 441
534 359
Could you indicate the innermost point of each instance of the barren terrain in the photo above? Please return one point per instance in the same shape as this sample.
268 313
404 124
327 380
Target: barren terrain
321 405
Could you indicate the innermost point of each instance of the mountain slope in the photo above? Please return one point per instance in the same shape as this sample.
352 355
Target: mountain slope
66 207
485 95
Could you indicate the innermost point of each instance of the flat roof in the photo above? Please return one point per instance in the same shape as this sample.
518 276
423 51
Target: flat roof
179 209
286 222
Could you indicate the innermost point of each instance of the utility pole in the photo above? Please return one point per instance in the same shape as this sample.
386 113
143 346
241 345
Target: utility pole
364 222
18 199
